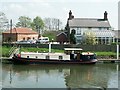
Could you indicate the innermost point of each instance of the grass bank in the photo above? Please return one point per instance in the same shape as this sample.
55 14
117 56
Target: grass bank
105 53
5 51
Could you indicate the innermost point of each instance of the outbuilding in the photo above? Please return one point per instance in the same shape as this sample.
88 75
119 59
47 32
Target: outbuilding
61 38
18 34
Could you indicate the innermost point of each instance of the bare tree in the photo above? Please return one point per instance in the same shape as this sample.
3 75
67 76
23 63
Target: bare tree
52 23
3 22
47 22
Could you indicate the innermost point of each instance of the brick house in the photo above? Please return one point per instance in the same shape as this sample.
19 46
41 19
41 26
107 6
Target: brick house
18 34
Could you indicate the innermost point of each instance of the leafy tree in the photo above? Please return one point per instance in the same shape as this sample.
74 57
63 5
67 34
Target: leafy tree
24 21
72 37
90 38
3 22
37 24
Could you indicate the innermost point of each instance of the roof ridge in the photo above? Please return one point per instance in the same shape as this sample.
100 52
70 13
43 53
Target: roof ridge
21 30
87 18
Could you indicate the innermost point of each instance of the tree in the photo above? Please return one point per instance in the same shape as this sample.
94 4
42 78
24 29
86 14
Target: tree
47 22
38 24
3 22
24 21
67 30
52 23
72 37
89 38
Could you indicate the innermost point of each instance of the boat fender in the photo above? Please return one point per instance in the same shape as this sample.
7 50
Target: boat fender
18 55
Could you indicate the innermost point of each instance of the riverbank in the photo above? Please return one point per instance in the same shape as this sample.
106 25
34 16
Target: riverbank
101 55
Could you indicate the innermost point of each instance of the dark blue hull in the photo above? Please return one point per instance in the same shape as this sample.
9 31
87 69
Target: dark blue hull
20 60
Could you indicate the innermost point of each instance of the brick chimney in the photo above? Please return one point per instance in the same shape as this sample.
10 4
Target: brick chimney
105 15
70 15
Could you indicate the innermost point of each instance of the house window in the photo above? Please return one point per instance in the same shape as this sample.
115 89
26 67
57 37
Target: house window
24 38
47 57
28 38
60 57
78 31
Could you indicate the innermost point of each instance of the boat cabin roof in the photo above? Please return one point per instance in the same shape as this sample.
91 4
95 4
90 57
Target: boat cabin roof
73 49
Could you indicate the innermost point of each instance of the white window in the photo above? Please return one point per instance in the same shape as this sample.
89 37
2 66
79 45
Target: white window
78 31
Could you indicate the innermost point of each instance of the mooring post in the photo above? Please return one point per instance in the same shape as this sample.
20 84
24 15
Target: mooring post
49 47
117 52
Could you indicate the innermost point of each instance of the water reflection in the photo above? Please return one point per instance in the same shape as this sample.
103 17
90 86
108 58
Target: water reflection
60 76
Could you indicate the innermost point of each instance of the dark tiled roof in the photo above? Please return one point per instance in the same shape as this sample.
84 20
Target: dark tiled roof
22 31
62 33
88 22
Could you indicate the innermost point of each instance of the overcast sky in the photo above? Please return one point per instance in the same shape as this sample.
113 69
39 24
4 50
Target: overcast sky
60 9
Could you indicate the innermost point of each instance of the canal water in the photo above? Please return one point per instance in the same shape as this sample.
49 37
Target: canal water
60 76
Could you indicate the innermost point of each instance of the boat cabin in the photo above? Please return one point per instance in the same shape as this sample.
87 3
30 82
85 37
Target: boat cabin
73 52
77 54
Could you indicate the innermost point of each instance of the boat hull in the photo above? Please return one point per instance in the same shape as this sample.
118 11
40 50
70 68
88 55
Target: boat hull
20 60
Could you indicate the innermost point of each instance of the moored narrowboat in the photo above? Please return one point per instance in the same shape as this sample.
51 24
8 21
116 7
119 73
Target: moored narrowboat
70 56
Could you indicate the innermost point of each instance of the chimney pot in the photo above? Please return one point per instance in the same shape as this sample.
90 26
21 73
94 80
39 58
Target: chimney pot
105 15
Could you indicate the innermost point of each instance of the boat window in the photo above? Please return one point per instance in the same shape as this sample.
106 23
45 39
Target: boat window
27 56
47 57
36 57
87 57
60 57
